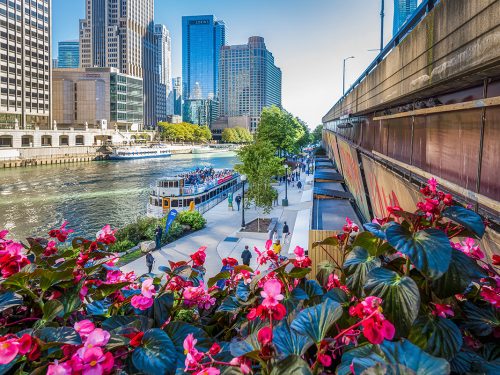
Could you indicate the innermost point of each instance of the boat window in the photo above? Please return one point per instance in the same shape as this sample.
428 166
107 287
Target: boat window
197 200
174 203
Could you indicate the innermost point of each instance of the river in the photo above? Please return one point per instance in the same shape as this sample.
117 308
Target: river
34 200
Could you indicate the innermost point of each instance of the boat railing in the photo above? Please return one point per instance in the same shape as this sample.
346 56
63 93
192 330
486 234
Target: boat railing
197 189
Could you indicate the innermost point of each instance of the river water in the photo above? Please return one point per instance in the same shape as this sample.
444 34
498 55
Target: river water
88 195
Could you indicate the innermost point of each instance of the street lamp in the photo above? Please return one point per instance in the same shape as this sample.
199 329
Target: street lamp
343 75
243 179
284 202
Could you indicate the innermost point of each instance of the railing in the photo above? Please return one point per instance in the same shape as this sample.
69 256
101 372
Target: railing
214 201
421 11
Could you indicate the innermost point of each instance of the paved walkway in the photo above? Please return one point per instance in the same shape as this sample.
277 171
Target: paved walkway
221 236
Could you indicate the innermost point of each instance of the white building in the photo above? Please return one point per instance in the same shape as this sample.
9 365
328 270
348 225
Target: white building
163 70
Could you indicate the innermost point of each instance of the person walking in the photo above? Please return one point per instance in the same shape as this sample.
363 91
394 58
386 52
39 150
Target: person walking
286 231
150 260
246 255
158 234
238 201
299 185
275 236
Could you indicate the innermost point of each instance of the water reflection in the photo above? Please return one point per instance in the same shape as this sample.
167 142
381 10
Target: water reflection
88 195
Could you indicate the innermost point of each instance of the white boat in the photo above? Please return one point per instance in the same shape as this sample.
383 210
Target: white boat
208 150
191 190
139 152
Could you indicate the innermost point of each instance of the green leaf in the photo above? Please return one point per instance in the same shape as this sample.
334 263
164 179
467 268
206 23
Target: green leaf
323 272
156 353
467 218
220 276
51 278
338 295
291 365
299 273
317 320
288 342
230 305
117 323
10 299
71 302
61 335
461 272
429 249
243 347
367 241
361 357
400 297
404 353
438 336
162 308
329 241
480 321
51 309
105 290
357 265
242 291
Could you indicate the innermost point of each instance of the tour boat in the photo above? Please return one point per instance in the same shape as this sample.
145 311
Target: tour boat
209 150
127 153
190 190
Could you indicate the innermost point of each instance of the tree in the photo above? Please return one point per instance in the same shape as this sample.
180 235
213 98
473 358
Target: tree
185 132
243 134
229 136
260 163
317 134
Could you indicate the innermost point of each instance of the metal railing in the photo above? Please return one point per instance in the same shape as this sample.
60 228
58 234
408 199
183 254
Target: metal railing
214 201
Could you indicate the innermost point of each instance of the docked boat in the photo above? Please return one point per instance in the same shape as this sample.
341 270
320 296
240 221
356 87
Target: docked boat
190 190
127 153
209 150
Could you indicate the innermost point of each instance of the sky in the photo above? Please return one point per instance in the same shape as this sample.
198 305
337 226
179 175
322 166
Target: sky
308 38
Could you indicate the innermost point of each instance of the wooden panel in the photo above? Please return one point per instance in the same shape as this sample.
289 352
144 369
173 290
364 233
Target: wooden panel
321 253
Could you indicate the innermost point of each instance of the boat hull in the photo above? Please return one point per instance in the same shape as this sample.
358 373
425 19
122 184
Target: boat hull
132 157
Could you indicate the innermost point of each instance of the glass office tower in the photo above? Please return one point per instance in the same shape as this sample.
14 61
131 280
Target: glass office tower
202 39
68 54
403 9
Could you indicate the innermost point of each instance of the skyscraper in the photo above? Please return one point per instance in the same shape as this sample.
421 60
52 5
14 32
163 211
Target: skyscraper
249 80
163 73
68 54
120 34
177 95
25 71
202 39
402 10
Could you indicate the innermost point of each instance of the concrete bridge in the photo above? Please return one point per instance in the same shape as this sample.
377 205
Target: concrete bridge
429 105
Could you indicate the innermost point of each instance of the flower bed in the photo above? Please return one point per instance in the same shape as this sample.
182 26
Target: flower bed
410 297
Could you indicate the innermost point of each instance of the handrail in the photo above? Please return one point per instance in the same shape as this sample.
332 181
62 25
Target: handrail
419 13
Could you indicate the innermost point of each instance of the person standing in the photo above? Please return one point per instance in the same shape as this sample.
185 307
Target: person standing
158 234
238 201
275 236
150 260
246 255
277 247
299 185
286 231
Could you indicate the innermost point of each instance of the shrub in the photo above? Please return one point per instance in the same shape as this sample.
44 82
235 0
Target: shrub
408 296
122 246
192 218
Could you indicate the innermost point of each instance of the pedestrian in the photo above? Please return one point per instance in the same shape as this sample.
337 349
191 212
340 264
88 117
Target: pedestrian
299 185
158 234
286 231
238 201
277 247
150 260
275 236
246 255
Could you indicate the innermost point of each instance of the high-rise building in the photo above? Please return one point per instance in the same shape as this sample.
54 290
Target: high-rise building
202 39
403 9
68 54
163 73
249 80
120 34
177 95
25 71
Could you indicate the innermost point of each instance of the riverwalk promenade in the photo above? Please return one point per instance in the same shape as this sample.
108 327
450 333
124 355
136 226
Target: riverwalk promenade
222 238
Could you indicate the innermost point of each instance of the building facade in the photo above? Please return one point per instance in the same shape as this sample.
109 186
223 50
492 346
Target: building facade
97 97
202 39
25 64
177 96
249 80
200 111
403 9
163 73
68 54
120 34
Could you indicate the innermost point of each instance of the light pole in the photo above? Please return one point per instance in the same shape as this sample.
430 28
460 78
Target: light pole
343 74
382 14
243 179
284 202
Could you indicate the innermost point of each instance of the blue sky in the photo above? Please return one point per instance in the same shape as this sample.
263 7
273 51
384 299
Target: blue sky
309 39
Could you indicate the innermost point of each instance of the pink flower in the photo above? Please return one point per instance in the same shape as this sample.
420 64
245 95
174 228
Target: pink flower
271 293
469 247
350 226
492 294
3 233
268 244
50 249
148 288
12 258
199 257
142 303
442 310
106 235
325 359
243 362
84 327
265 256
207 371
244 275
98 337
62 233
117 276
57 368
93 362
432 183
83 292
193 356
198 296
265 336
301 260
9 349
375 327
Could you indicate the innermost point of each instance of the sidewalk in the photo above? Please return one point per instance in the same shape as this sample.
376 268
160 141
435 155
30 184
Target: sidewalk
220 234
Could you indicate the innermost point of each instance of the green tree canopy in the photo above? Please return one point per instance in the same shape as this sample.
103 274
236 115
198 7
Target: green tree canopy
236 135
184 132
317 134
260 163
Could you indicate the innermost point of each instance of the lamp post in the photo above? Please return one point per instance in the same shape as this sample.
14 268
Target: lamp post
343 74
284 202
382 14
243 179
